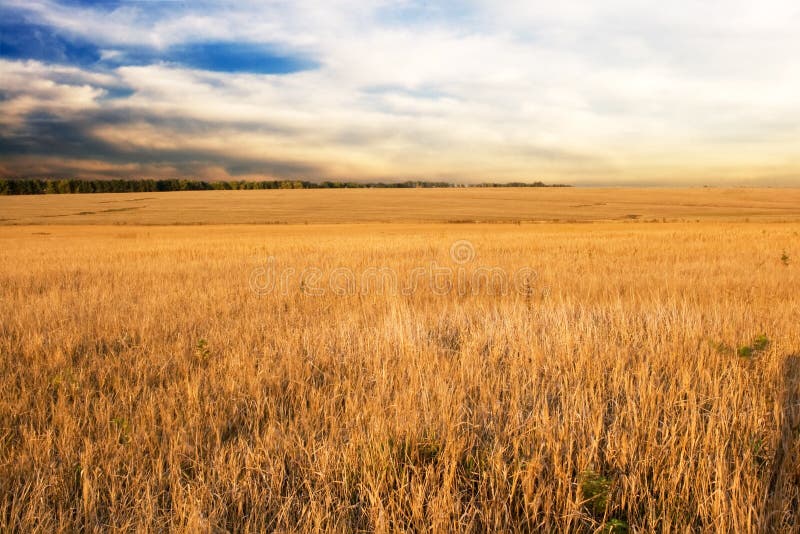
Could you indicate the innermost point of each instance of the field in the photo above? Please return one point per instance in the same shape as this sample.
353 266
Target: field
640 372
403 205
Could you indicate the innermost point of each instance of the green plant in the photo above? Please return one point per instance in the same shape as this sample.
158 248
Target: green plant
595 488
615 526
720 347
759 344
759 451
123 428
201 350
65 381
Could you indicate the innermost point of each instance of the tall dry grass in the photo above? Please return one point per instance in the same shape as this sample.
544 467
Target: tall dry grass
144 386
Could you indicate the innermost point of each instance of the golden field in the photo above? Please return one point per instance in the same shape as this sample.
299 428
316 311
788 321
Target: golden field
645 377
456 205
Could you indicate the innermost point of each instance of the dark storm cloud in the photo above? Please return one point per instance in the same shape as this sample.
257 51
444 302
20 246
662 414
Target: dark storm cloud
49 136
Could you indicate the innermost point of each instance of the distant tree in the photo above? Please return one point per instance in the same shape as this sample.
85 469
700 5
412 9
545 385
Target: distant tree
62 186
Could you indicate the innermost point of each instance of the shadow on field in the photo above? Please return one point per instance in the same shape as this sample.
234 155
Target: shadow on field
783 500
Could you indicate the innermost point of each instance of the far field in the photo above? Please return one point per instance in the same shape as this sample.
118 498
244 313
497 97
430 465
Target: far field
402 205
641 376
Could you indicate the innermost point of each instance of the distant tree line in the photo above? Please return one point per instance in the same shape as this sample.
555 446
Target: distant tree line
519 184
42 187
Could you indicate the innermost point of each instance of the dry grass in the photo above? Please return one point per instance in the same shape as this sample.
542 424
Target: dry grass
146 387
403 205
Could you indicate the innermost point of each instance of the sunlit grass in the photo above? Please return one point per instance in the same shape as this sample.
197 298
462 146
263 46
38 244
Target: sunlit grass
143 385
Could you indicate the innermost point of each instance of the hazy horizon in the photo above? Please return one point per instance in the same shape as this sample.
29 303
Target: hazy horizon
619 94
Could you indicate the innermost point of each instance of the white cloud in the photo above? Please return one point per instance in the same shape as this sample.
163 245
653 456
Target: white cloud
34 87
618 91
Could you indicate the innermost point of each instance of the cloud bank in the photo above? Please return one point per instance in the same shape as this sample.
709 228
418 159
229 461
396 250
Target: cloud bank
618 92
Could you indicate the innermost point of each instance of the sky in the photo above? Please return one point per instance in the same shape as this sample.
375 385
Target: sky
600 92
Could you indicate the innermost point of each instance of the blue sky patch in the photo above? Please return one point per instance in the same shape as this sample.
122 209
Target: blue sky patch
215 56
236 57
22 40
118 92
